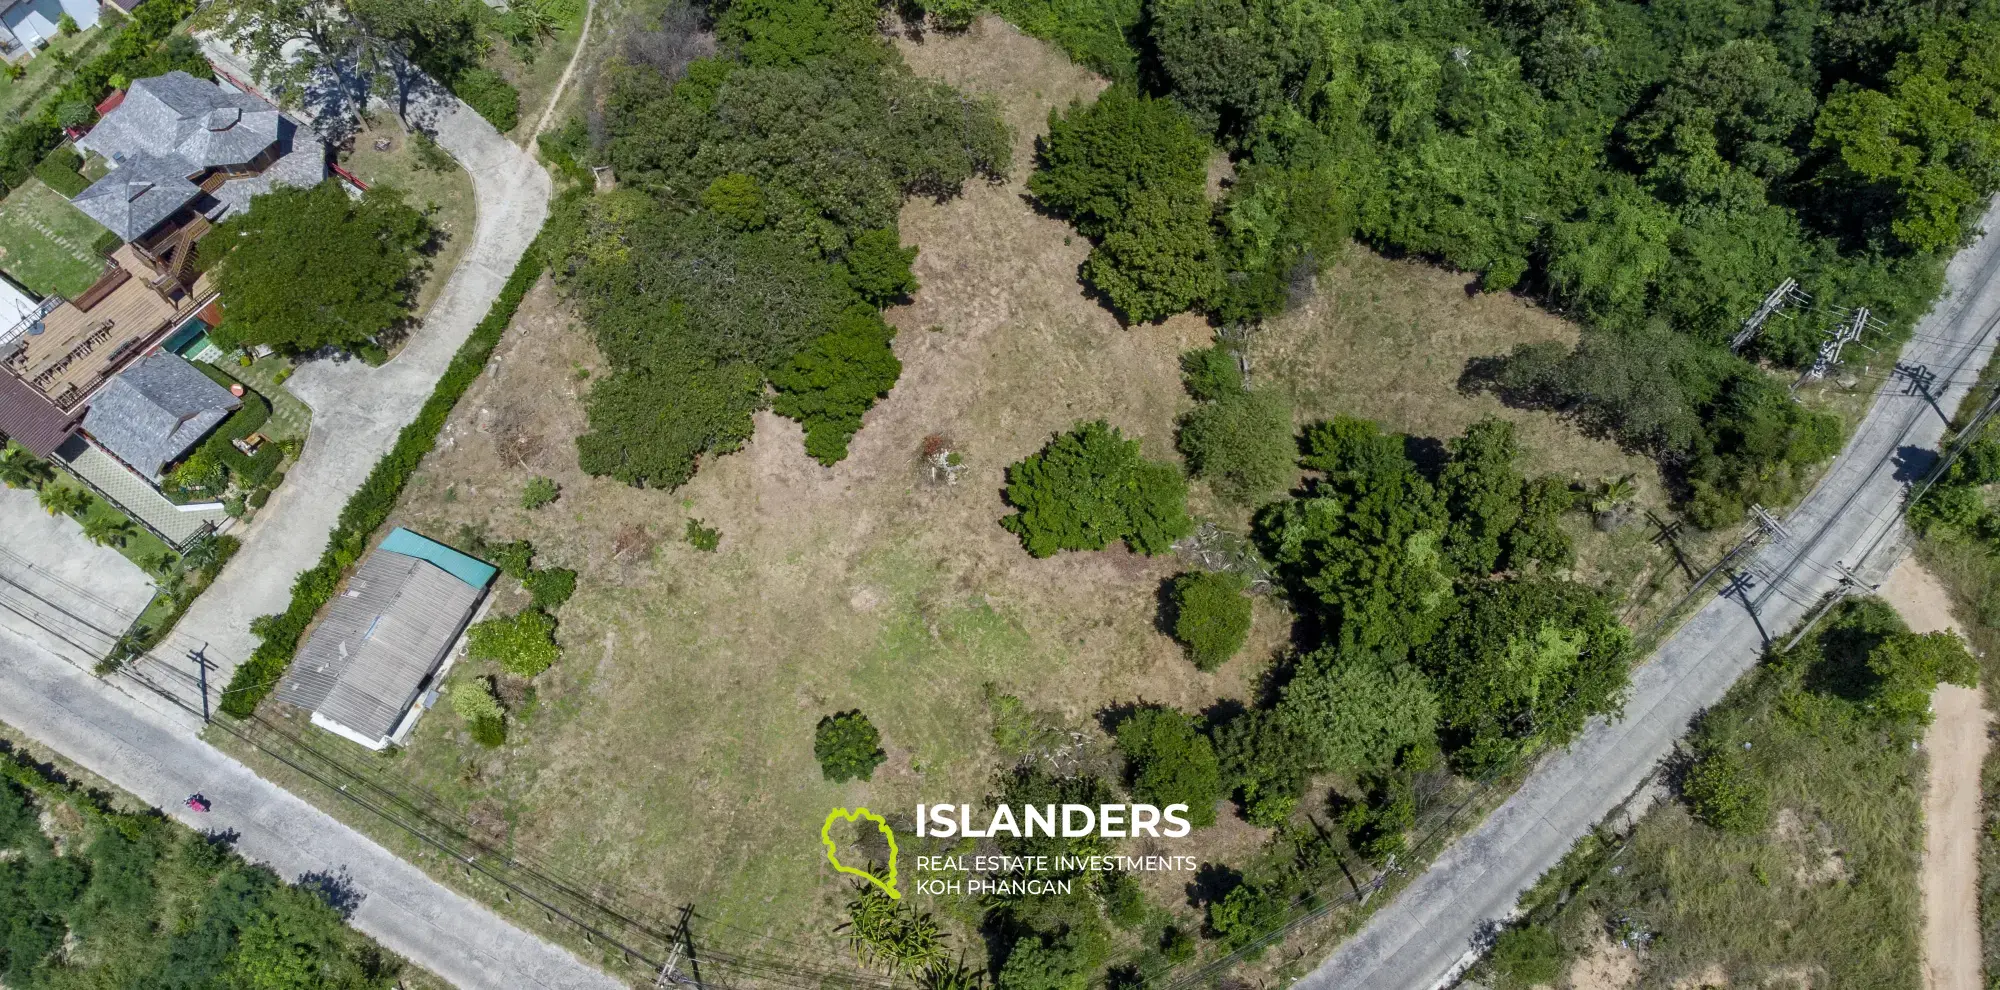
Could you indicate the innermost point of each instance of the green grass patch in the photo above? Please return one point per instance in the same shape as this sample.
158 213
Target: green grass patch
46 244
53 66
1828 881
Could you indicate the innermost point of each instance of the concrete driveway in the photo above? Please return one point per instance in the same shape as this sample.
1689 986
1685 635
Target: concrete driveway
358 410
112 734
62 591
1429 931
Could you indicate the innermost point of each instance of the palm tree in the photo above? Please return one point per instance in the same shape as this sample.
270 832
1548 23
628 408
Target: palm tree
202 555
58 500
1613 492
532 20
20 469
108 530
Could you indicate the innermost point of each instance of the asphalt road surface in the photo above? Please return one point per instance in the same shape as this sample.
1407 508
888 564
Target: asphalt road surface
1429 932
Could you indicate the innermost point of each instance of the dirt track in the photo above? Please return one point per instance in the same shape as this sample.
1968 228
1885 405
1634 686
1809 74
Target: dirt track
1956 742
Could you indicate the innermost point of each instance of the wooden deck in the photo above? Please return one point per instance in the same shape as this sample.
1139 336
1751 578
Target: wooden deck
79 348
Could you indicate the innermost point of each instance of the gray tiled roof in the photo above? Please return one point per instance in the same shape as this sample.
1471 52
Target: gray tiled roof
155 410
378 642
304 167
177 114
139 194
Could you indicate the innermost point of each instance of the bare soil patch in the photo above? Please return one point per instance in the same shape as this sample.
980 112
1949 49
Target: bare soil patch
1607 966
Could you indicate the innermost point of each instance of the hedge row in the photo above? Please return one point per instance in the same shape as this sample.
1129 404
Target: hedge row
53 788
59 172
369 508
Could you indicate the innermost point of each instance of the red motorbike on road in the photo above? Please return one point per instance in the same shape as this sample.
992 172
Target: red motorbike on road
196 802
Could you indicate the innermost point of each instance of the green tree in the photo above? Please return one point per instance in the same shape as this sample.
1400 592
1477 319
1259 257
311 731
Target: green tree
887 931
837 378
1482 493
59 500
1522 665
1211 616
1362 550
737 199
1132 172
1247 913
523 643
1171 762
878 266
20 469
304 269
1242 445
1090 486
1356 712
1909 666
1211 374
651 429
489 94
108 530
1266 763
847 746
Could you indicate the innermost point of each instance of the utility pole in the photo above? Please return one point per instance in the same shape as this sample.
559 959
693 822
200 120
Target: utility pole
200 658
1787 291
1837 338
1669 536
670 973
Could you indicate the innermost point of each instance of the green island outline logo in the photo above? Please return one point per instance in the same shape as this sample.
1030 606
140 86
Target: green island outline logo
826 839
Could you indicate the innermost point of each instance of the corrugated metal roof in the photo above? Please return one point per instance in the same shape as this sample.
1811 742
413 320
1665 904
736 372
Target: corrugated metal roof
378 642
32 419
471 570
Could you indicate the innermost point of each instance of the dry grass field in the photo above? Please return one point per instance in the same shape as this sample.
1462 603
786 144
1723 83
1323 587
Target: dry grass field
669 753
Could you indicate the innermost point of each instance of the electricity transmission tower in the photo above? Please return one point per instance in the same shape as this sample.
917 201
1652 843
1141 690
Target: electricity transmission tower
1787 291
1840 336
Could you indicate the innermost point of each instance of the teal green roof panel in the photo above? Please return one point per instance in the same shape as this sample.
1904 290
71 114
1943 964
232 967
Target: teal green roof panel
471 570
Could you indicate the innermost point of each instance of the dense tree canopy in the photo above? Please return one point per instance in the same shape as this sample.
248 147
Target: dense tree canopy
1171 762
1091 486
1653 169
753 239
309 268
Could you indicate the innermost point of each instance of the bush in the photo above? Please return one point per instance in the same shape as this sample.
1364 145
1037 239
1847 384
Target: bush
1171 762
847 746
66 25
550 587
368 508
1211 374
1247 913
1357 711
59 172
878 266
524 644
539 492
1242 445
703 538
837 378
473 701
1211 616
1528 955
491 95
1724 792
1090 486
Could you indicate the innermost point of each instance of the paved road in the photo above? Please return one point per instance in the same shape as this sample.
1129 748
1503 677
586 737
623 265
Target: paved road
99 726
1420 939
358 410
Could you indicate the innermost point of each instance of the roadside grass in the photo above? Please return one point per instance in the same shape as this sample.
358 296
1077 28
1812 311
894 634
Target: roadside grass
45 243
536 72
46 70
445 194
1826 893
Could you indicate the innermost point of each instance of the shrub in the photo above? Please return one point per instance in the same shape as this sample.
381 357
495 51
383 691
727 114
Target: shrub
1356 711
59 172
1724 792
1527 956
1242 445
491 95
107 242
1211 374
836 378
1090 486
524 644
1171 762
539 492
847 746
550 587
703 538
878 267
1909 666
66 25
473 701
887 931
1247 913
1211 616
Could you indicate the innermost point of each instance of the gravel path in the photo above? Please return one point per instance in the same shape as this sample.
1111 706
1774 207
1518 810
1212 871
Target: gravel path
1429 932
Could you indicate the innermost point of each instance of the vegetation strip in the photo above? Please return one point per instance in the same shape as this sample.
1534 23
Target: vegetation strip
369 506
